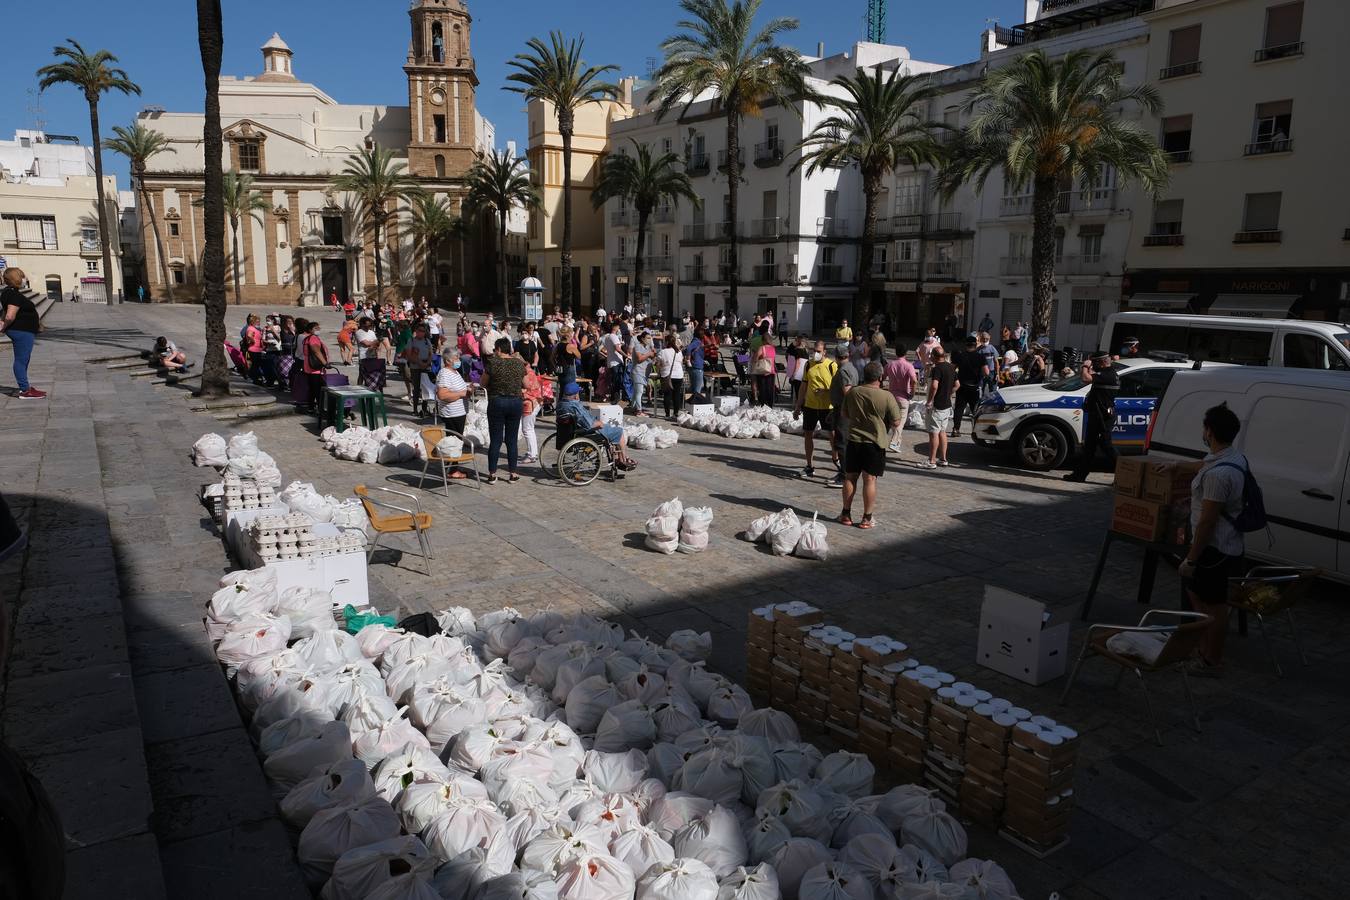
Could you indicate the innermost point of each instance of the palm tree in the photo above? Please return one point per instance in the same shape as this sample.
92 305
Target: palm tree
432 222
240 201
879 126
139 144
646 181
1044 121
380 185
499 184
719 52
93 74
211 43
556 74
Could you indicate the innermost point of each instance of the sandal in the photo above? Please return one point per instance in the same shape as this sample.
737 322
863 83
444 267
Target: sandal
845 518
458 474
512 478
867 522
491 479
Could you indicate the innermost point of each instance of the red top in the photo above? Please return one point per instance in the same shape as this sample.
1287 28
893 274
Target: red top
312 346
253 335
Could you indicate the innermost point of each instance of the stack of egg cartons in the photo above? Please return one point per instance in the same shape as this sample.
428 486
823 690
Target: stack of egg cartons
1039 781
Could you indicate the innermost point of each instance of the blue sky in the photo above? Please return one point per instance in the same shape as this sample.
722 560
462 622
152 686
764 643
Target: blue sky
356 53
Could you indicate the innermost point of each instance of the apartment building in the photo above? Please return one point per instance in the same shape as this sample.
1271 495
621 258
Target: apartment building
590 143
49 216
797 234
1256 220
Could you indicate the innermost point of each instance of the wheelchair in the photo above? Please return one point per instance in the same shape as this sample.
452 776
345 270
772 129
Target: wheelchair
583 454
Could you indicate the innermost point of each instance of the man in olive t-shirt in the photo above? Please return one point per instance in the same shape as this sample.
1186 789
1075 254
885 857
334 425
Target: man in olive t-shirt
871 414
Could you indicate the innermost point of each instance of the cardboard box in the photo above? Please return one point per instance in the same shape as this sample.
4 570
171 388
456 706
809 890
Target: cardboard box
989 761
880 708
846 664
908 741
845 698
759 630
611 414
1130 475
701 410
1165 481
1023 637
1167 523
726 405
785 619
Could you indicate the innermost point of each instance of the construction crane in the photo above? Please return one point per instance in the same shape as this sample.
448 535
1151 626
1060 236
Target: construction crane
876 21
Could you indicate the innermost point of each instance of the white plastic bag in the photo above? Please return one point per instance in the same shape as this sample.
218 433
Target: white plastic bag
626 726
834 881
710 773
334 831
727 705
210 450
253 635
373 745
936 831
465 826
759 883
690 644
1135 645
906 800
556 848
422 803
986 877
774 725
796 761
407 765
679 879
918 411
915 866
242 446
799 806
519 885
784 533
640 848
764 837
813 544
588 701
346 782
362 870
758 528
292 764
595 877
847 773
615 772
714 838
794 859
671 813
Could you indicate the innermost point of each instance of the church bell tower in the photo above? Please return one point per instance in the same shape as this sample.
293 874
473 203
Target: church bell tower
441 86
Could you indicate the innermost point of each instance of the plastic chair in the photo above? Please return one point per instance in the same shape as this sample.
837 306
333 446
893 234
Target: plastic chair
433 435
407 520
1183 640
1269 591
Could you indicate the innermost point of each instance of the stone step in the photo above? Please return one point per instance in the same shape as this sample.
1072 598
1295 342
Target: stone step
177 379
136 363
119 358
236 400
275 411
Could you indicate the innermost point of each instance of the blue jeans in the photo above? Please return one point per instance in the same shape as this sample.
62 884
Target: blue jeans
696 381
23 352
639 393
503 415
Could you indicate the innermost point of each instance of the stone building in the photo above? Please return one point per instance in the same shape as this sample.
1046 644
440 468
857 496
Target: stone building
292 138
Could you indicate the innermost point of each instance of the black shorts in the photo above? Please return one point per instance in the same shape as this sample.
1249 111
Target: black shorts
864 456
1212 571
815 418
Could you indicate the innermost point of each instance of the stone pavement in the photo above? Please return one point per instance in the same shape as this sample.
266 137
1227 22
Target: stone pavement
1251 807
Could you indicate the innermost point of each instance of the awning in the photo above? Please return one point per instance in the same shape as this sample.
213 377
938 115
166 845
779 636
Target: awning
1161 302
1268 306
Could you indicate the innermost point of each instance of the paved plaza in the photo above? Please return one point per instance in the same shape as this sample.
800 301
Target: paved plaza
113 696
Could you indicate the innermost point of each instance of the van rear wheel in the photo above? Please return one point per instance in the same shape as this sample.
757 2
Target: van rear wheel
1041 446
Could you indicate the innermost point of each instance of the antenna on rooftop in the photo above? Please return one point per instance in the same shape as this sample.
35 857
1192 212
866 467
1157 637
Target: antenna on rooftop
35 109
651 67
876 21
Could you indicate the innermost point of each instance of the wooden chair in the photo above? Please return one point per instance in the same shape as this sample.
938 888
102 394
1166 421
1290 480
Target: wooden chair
404 520
1183 636
1269 591
433 435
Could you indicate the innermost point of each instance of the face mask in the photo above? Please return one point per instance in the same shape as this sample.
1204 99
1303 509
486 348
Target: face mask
815 357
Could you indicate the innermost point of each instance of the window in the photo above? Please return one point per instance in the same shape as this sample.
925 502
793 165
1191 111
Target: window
179 277
1273 127
250 156
443 278
827 256
173 229
1176 138
831 204
1284 32
438 125
766 256
1262 212
91 266
906 251
665 145
771 132
1090 247
332 230
1146 383
1167 217
29 232
1059 244
1308 351
1183 53
437 42
1085 311
1019 245
623 245
440 166
665 245
909 194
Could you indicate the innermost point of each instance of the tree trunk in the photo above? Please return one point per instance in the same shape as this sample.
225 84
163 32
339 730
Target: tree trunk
638 259
103 235
871 190
159 240
379 265
1044 199
565 124
234 269
211 41
733 195
501 263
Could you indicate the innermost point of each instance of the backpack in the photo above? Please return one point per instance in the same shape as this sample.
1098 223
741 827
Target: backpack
1252 516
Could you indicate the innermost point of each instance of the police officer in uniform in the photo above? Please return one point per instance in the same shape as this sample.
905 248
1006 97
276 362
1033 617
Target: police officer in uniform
1099 415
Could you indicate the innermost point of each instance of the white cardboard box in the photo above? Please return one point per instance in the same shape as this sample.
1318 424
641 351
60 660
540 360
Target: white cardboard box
727 405
1023 637
701 410
611 414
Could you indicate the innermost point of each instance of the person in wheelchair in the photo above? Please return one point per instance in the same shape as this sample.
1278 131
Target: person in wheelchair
571 406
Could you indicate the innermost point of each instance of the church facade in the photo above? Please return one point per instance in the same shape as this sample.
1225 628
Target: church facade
292 138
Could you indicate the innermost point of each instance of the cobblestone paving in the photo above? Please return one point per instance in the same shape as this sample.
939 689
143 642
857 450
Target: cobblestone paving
1251 807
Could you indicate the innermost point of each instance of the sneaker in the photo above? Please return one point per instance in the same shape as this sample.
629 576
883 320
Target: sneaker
894 448
955 434
837 480
808 472
927 464
942 463
33 394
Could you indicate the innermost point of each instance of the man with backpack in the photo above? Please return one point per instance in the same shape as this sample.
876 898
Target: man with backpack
1225 502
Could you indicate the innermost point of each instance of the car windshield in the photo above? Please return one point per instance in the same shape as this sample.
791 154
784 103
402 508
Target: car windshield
1342 338
1072 383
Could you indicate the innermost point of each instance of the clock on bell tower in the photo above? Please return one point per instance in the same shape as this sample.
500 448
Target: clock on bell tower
441 85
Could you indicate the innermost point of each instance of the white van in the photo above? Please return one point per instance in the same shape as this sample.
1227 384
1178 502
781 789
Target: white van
1282 343
1296 437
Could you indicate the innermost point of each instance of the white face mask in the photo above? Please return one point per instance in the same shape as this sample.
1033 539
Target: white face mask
815 357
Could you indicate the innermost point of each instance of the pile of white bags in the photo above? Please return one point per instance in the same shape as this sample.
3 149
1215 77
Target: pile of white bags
663 527
741 425
393 444
210 450
475 423
650 437
786 535
694 524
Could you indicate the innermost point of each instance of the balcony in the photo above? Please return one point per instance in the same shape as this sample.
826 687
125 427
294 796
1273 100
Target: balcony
91 248
1280 51
1014 265
942 270
722 160
696 164
830 273
768 153
1092 200
663 215
698 232
695 274
937 223
621 264
766 273
1261 236
907 225
766 229
877 270
724 272
1084 264
1178 156
1275 145
832 227
659 264
1180 69
1165 240
905 270
725 231
622 218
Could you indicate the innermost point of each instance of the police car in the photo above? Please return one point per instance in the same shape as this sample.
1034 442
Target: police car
1043 423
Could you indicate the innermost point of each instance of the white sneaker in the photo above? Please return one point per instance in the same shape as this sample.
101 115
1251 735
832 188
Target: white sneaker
927 465
894 448
942 464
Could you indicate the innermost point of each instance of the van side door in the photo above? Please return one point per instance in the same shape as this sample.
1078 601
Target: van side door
1296 439
1139 393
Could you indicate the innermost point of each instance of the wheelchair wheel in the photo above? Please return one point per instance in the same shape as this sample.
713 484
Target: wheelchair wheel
544 447
581 461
